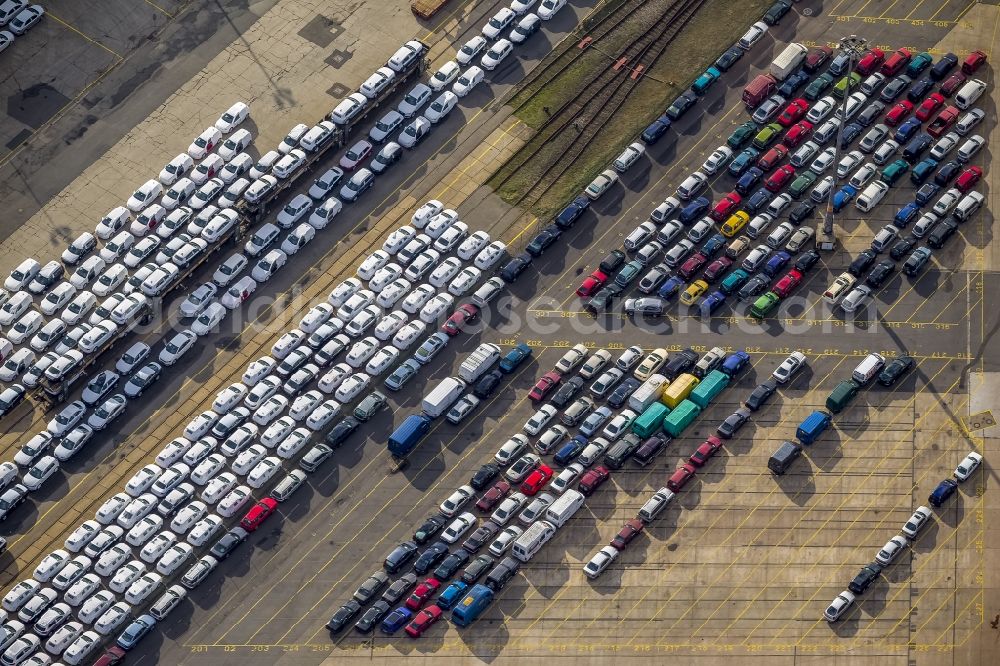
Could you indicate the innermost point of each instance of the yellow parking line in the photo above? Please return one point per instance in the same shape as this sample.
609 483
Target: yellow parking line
882 15
90 39
915 8
158 8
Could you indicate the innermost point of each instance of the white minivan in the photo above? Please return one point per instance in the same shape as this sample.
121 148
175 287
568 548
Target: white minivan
871 196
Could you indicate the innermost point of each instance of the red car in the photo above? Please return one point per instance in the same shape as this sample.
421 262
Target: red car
897 61
682 475
898 112
423 620
968 179
793 113
930 106
591 284
716 269
974 61
705 451
779 178
816 58
692 265
725 206
953 83
422 593
536 480
258 514
544 385
492 497
467 313
798 133
788 283
870 61
772 157
593 479
629 531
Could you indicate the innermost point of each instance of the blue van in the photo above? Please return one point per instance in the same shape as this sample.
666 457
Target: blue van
813 426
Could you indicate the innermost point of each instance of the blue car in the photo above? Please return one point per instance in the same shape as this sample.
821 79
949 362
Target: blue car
570 450
656 130
568 215
927 193
749 180
743 161
793 83
776 263
849 134
735 362
712 302
758 201
923 170
705 81
514 358
452 595
907 131
941 494
396 620
670 288
906 214
134 632
713 246
694 210
843 196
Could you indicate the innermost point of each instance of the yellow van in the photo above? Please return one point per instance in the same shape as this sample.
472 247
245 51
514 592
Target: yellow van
678 390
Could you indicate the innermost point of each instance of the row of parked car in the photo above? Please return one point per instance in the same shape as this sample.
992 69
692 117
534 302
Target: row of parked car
897 544
17 16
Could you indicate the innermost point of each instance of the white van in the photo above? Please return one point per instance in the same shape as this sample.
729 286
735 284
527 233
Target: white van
655 505
532 540
647 393
563 508
969 93
968 206
871 196
868 368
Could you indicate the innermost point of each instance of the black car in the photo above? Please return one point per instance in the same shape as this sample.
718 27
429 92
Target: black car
431 526
679 363
894 89
483 535
894 370
450 565
567 391
615 260
926 193
943 66
916 147
941 232
11 498
11 397
682 105
870 113
502 573
340 432
902 247
862 263
850 132
515 267
624 390
868 574
656 129
776 11
883 271
568 216
947 172
916 261
733 423
749 180
143 378
225 546
477 568
794 81
801 212
920 90
430 558
543 239
399 588
806 261
944 490
344 614
760 395
372 617
602 300
754 287
484 476
728 59
400 556
487 384
818 86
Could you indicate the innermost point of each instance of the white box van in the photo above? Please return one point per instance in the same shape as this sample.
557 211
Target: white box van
868 368
532 540
563 508
443 396
871 196
479 361
969 93
968 206
647 393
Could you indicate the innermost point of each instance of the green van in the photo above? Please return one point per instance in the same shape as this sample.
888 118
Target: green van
764 305
842 395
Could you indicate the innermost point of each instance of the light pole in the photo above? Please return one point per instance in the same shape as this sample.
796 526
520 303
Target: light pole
852 46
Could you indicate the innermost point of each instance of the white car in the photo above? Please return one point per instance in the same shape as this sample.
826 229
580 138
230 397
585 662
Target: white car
144 530
857 298
176 347
361 352
176 168
549 8
157 546
208 321
143 480
263 471
145 195
207 468
50 565
140 591
384 276
288 342
126 574
323 414
968 466
601 560
81 590
508 508
469 79
409 334
505 539
67 418
205 143
20 593
916 522
270 264
246 461
437 308
717 160
540 419
221 485
204 530
441 107
293 443
496 54
392 293
303 405
490 255
426 213
789 367
135 511
443 77
176 557
59 641
95 606
565 478
188 516
257 370
206 169
821 108
112 508
234 501
839 606
464 281
458 499
458 527
298 238
499 22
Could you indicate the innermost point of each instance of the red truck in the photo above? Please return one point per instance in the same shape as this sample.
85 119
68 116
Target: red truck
758 90
943 122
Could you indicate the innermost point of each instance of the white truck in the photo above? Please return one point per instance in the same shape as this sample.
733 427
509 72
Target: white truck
786 62
443 396
479 361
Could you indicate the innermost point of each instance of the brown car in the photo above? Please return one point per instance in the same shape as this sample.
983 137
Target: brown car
629 531
493 496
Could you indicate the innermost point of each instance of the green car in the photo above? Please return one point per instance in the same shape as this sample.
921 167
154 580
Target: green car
816 89
894 172
705 81
802 183
732 282
628 273
840 89
766 136
741 135
920 62
764 305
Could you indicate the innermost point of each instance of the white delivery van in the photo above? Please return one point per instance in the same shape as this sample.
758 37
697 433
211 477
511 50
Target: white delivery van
969 93
443 396
786 62
563 508
532 540
868 368
479 361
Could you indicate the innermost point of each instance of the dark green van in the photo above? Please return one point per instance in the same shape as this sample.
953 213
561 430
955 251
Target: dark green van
842 395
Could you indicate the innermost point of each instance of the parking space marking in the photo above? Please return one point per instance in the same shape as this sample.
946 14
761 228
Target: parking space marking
160 9
48 12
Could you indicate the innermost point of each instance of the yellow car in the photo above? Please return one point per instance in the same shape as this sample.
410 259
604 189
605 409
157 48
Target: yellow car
653 362
693 292
735 224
